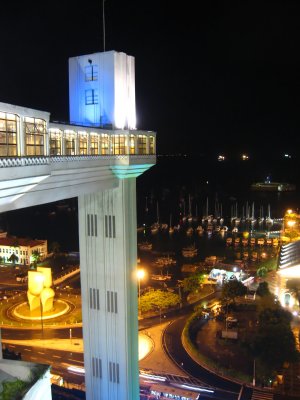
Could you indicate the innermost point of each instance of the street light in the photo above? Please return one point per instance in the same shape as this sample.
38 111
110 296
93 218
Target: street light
140 275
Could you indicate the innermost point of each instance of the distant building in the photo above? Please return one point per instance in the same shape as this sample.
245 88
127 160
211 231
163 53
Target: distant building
288 270
22 248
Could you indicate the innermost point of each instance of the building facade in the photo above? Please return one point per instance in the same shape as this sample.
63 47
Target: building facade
22 249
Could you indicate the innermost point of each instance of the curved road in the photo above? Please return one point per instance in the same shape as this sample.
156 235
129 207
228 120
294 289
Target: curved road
174 348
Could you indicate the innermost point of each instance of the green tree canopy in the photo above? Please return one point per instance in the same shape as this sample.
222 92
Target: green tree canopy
274 342
158 299
192 283
262 272
232 289
274 316
35 256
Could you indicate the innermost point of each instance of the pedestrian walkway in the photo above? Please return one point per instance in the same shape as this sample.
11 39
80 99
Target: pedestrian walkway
259 395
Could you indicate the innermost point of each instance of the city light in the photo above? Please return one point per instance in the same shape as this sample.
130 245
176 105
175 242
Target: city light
197 389
140 275
291 223
78 370
153 377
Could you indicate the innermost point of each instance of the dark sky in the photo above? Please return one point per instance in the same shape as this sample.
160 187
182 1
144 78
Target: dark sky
210 76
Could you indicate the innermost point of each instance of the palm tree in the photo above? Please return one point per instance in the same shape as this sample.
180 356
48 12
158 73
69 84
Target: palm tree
35 256
13 258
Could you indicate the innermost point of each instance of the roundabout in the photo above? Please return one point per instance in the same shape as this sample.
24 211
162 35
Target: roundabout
60 307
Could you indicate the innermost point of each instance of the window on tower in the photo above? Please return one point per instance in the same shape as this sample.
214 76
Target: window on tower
91 97
91 73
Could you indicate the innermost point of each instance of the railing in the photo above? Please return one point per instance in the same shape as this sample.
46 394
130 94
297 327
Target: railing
23 161
46 160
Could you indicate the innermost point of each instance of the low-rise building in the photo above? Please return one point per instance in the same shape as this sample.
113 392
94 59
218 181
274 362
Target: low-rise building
23 249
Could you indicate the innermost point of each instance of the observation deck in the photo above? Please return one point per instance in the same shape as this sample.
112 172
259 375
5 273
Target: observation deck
42 162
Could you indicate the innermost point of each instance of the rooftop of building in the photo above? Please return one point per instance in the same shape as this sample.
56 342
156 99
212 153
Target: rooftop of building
16 242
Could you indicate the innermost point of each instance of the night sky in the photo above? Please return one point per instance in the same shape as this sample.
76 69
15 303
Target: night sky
210 76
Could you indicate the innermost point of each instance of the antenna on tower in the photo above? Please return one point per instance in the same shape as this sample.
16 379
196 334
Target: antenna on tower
103 20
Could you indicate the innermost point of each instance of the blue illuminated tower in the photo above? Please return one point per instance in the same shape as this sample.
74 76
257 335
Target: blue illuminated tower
102 90
102 94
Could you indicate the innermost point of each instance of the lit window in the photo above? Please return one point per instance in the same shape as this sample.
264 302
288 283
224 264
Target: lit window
9 126
91 73
118 143
35 133
151 144
83 143
55 142
70 140
94 143
104 144
91 97
142 144
132 144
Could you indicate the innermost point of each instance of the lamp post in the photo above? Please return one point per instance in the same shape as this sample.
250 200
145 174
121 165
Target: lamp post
71 335
140 274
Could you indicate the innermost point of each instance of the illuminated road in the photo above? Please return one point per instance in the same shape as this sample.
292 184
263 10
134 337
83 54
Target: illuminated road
23 334
175 349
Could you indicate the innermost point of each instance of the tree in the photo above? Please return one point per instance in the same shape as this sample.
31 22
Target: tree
262 272
232 289
263 289
274 343
35 256
192 283
13 258
158 299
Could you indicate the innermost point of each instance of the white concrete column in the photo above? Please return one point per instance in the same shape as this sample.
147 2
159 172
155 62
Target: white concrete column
21 138
108 257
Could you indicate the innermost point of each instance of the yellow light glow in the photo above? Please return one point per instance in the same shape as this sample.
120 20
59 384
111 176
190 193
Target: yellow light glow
35 282
145 346
291 223
291 272
140 273
47 274
289 211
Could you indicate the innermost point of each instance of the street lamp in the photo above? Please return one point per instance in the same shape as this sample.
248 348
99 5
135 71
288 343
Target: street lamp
140 275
